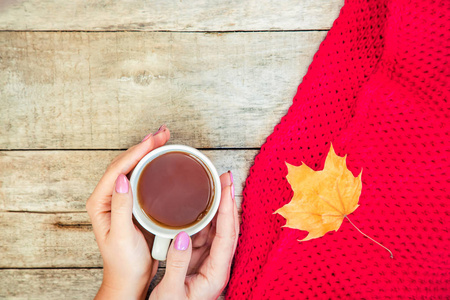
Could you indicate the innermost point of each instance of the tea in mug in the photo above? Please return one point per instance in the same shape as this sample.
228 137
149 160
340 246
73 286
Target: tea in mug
175 190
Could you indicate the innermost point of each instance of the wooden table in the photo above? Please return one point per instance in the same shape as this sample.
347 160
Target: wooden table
80 81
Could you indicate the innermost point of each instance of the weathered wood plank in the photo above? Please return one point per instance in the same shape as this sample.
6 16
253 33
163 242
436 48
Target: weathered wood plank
78 90
32 240
59 181
172 15
50 284
58 284
49 240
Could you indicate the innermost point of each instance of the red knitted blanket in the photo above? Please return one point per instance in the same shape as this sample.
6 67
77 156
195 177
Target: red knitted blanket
378 89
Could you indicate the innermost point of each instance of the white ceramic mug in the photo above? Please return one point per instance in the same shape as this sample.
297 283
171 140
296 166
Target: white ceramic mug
163 235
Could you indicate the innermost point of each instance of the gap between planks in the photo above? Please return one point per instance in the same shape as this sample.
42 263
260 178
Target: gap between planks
52 283
244 83
173 31
124 149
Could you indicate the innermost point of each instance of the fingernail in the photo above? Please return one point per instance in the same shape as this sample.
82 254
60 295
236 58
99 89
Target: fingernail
182 241
147 137
232 184
231 176
162 128
122 184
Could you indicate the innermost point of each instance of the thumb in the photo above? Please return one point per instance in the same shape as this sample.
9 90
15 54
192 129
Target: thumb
122 208
177 263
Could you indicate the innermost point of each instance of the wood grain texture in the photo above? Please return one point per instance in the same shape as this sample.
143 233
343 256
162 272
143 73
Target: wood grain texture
62 181
78 90
174 15
49 240
32 240
50 181
58 284
106 90
50 284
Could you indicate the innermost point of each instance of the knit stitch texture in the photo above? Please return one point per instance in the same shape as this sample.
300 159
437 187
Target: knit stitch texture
378 89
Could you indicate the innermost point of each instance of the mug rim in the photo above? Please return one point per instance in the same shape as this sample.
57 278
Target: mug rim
147 223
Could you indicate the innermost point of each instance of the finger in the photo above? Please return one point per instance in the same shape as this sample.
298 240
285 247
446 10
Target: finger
98 205
235 211
225 179
205 236
197 259
127 160
200 238
99 211
163 133
149 237
154 268
122 208
222 248
212 231
201 243
177 263
236 224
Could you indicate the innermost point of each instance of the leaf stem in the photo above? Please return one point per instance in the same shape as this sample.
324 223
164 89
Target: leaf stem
392 256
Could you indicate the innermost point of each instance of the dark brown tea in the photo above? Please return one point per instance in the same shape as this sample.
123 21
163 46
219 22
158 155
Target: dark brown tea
174 190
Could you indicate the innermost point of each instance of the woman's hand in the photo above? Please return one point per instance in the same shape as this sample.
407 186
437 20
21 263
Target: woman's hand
127 263
200 268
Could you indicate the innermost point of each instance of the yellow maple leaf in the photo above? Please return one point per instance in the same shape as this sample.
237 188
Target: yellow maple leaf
322 199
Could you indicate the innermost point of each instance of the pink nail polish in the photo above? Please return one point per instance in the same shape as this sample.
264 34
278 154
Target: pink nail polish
181 241
146 137
162 128
232 184
122 184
